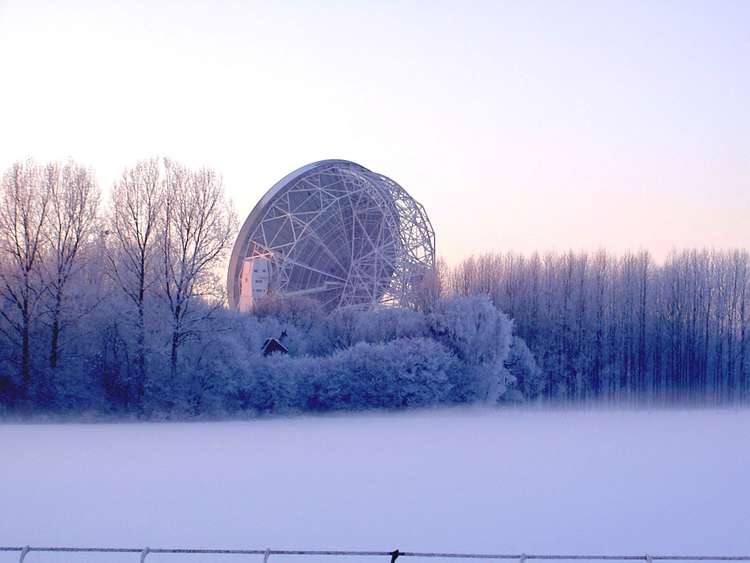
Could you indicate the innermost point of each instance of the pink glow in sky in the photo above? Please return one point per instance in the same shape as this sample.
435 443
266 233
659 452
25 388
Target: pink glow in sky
519 125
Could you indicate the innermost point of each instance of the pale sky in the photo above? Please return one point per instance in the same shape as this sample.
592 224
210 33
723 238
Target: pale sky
519 125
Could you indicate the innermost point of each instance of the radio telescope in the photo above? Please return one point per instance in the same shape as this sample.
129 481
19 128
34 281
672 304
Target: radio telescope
336 232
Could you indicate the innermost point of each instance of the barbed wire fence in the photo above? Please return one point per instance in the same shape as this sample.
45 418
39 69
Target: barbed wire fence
24 551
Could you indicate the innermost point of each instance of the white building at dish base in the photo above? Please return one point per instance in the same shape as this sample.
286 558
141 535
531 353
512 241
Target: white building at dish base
338 233
255 281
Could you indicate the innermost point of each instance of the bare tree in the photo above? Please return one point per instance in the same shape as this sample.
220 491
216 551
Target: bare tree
197 228
73 204
137 200
24 203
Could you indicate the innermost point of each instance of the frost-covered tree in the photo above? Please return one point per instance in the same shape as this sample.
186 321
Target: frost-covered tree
24 205
196 228
480 335
137 199
71 219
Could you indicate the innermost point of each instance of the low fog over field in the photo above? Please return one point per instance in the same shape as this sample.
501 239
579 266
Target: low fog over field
459 480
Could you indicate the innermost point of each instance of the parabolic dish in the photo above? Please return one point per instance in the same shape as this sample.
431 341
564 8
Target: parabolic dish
336 232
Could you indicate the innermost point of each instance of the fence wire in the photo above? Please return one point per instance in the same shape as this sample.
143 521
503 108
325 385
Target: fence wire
24 551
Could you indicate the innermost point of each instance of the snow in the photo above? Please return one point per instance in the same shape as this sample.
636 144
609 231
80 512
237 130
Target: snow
475 480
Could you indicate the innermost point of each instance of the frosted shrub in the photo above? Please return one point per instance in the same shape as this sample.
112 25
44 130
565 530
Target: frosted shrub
480 335
401 373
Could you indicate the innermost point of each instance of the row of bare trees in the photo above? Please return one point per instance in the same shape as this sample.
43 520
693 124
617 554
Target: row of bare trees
106 292
64 258
626 328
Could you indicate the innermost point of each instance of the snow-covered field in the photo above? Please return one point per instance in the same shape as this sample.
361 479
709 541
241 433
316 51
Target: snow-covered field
458 480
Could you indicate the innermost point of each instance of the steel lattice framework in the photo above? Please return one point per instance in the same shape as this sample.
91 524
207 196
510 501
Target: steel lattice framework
335 231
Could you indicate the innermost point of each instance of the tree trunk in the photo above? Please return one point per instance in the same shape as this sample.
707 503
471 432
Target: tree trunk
140 354
54 354
175 340
25 354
